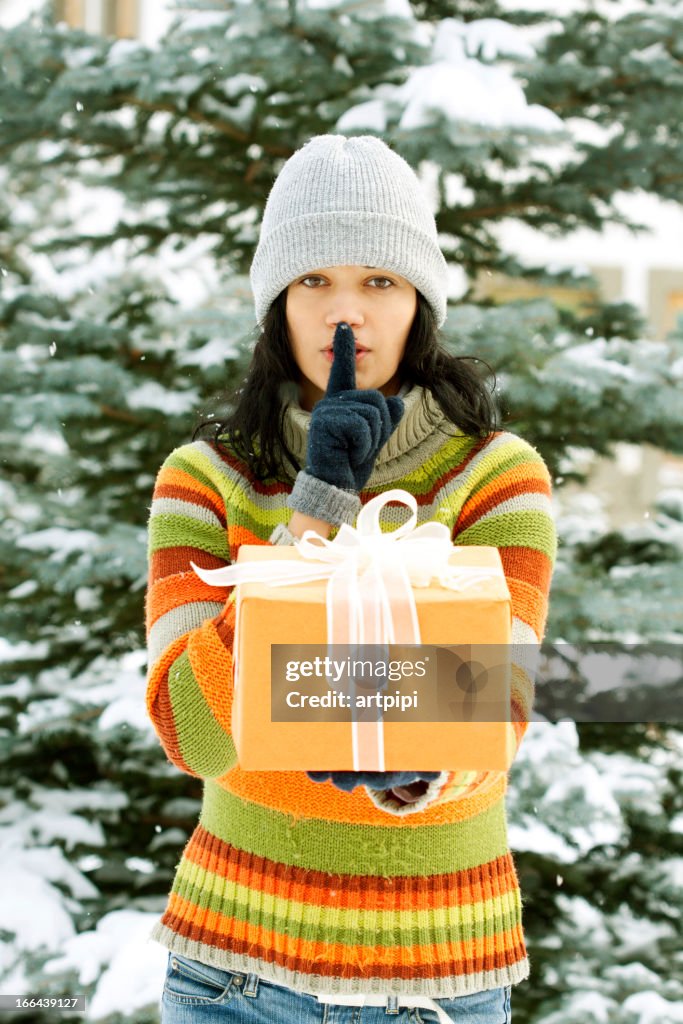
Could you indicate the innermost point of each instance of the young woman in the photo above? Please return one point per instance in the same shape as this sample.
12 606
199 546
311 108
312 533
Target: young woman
300 896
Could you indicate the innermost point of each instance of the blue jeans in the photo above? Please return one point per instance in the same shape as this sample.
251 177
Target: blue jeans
195 993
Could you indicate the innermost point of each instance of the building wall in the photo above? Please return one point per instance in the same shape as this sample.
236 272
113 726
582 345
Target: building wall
110 17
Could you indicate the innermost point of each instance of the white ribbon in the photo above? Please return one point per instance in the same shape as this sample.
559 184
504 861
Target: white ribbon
371 576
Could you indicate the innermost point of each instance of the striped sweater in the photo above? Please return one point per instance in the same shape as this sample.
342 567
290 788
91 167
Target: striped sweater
293 880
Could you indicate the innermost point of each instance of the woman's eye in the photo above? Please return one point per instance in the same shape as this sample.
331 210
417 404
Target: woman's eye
386 282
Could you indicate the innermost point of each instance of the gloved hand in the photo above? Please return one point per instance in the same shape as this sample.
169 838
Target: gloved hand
348 426
347 781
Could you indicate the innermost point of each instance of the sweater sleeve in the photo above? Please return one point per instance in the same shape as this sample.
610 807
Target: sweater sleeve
508 506
189 624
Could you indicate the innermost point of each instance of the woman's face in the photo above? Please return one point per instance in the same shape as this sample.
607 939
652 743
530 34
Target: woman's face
378 305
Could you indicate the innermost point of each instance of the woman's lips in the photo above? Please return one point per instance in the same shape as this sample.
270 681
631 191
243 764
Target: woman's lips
329 354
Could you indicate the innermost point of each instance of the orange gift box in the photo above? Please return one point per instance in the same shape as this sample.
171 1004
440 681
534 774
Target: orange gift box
296 614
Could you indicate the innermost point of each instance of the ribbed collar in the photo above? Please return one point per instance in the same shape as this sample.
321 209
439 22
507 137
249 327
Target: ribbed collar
416 429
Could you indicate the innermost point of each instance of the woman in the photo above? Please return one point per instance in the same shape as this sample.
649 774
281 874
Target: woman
303 895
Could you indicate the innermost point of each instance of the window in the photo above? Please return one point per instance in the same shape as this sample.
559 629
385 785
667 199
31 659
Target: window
109 17
666 298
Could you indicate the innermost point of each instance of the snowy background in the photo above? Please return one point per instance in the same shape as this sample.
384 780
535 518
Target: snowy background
572 809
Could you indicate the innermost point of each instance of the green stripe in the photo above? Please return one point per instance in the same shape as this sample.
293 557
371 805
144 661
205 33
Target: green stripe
450 456
167 530
331 923
257 519
206 747
339 846
532 529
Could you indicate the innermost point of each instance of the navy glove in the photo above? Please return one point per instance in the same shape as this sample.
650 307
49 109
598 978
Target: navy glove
347 781
348 426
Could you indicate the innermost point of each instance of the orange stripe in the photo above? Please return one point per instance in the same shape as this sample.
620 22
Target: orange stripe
525 602
171 478
512 483
241 535
527 563
170 593
294 793
528 604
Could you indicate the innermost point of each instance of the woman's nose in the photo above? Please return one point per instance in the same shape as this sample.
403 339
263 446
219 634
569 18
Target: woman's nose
344 306
347 313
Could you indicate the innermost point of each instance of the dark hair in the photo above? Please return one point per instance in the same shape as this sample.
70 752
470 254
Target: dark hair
254 431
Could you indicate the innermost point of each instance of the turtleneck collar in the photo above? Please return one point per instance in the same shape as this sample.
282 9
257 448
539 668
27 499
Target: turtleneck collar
423 425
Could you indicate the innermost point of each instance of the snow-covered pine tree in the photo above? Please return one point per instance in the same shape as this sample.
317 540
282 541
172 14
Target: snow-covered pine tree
133 181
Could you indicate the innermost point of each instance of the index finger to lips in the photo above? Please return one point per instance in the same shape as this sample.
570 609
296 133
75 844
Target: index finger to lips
343 372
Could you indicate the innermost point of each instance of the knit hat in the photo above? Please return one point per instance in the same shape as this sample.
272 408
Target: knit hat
347 202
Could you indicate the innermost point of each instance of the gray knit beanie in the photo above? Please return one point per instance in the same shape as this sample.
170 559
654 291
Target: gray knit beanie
347 202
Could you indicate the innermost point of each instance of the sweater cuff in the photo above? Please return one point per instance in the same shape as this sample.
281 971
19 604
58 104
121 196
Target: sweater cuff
320 500
385 799
281 535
